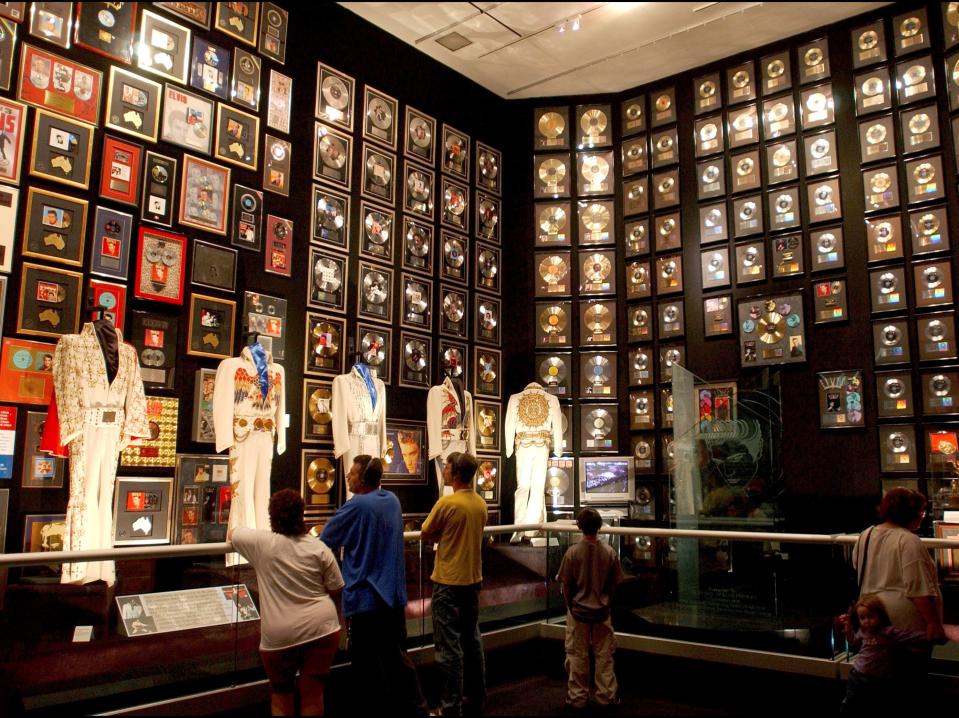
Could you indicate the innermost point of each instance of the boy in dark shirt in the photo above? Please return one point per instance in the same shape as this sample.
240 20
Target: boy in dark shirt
588 574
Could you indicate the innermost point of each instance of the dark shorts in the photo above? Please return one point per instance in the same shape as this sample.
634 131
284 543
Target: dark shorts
312 659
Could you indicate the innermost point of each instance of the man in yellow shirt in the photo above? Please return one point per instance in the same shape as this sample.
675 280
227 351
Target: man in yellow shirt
456 524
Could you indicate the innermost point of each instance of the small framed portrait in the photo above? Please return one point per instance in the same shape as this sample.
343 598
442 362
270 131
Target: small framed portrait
420 142
328 280
237 137
210 69
214 267
418 186
456 152
405 462
55 227
331 218
332 156
52 21
324 352
375 292
487 420
378 174
489 164
455 205
106 29
187 119
417 245
380 117
245 81
317 416
49 301
40 469
487 372
142 511
266 316
195 13
334 97
278 257
204 198
247 222
211 327
273 29
159 197
239 20
120 170
416 360
161 266
417 300
61 147
377 238
276 165
164 47
13 118
376 345
39 87
133 105
111 298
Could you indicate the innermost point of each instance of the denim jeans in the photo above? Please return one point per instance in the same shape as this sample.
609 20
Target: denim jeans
459 647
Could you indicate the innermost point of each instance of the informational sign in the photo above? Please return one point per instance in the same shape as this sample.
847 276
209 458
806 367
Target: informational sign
8 436
149 613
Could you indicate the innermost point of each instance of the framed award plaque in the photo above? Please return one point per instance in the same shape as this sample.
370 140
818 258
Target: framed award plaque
376 346
159 449
634 156
560 481
204 198
108 35
332 156
830 301
817 108
597 375
824 201
330 217
158 196
665 148
552 223
881 187
376 240
888 289
327 280
820 154
711 181
598 428
644 453
40 470
334 97
454 316
273 31
941 442
214 267
639 323
111 298
551 176
420 137
911 30
915 80
455 205
112 238
709 136
266 316
245 81
455 260
636 196
638 280
787 255
920 129
417 303
375 292
950 25
142 510
61 148
939 392
741 83
717 316
813 61
636 237
553 372
488 267
324 351
164 47
80 99
952 81
452 357
744 170
278 254
633 113
488 164
597 325
748 216
667 409
669 275
930 230
133 105
380 117
714 265
317 419
488 313
776 73
487 369
378 174
595 221
828 251
933 283
594 173
897 448
869 45
318 484
670 355
642 414
418 189
456 152
120 170
640 366
551 128
925 179
779 117
665 189
487 224
840 400
750 263
783 208
668 232
488 420
743 126
210 68
772 330
876 139
873 91
49 301
894 394
890 340
713 224
277 161
936 336
211 327
26 375
706 93
663 108
781 165
417 245
54 227
672 321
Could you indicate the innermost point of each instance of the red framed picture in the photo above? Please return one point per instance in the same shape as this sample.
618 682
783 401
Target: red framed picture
278 256
120 170
161 266
60 85
112 297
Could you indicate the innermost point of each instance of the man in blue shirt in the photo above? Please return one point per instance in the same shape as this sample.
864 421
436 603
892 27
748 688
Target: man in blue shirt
369 529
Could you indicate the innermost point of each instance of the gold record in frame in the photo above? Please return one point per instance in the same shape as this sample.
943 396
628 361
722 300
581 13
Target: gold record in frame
318 485
324 350
159 449
317 417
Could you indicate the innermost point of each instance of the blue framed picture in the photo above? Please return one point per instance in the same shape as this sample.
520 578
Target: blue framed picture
210 68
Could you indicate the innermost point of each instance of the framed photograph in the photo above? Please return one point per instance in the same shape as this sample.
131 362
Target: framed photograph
61 147
120 170
210 69
456 152
334 97
488 370
317 419
52 21
416 360
110 297
420 142
273 30
417 245
487 417
324 351
330 218
266 316
159 197
239 20
155 339
204 198
840 400
211 327
187 119
380 117
327 281
142 511
488 479
50 301
332 156
276 165
452 358
378 174
376 345
376 240
164 47
200 479
247 221
245 82
40 469
161 266
214 267
237 137
488 167
405 462
55 227
38 87
455 205
133 105
375 292
279 102
159 450
278 257
418 188
106 29
417 302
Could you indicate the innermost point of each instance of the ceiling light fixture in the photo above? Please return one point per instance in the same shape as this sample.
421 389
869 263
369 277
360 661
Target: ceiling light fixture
577 22
562 26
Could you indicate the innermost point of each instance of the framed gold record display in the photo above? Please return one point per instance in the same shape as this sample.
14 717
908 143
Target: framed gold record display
456 152
318 477
714 264
830 301
813 61
940 392
820 153
211 327
324 351
636 237
317 419
744 171
553 326
638 280
783 206
405 462
633 115
771 330
551 176
487 223
553 372
712 223
643 450
824 200
932 282
334 97
779 117
330 221
711 181
817 107
750 263
487 372
487 418
747 216
597 322
665 189
665 148
596 272
420 136
327 281
594 173
639 323
551 128
377 237
671 319
380 117
869 44
743 126
552 223
873 91
911 32
560 481
142 511
159 449
488 267
706 93
642 414
636 196
925 179
50 301
670 355
597 375
634 156
775 72
840 399
332 156
709 136
888 289
454 312
717 315
375 292
741 83
915 80
890 340
936 335
640 366
952 81
920 129
662 107
417 245
378 174
827 249
487 319
454 205
598 428
595 221
787 255
669 274
594 126
454 262
376 346
489 164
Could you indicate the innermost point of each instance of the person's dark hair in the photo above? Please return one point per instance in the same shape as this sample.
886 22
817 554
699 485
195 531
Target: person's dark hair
286 513
589 521
901 506
371 470
464 467
872 603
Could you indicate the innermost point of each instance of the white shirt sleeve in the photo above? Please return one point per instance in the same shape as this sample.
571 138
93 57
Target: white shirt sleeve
341 417
434 422
279 418
556 415
223 391
509 427
468 421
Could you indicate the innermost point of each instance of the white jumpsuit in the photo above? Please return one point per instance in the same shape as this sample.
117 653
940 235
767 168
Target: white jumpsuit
358 426
448 427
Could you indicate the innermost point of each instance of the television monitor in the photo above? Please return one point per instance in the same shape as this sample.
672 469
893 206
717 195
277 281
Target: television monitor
606 480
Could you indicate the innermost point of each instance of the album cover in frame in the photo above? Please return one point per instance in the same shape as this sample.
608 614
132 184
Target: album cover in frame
106 29
210 68
80 100
161 266
40 470
376 345
187 120
214 267
327 280
211 327
455 209
324 351
405 461
237 137
415 360
202 509
487 418
487 372
489 163
377 238
247 220
380 118
378 174
317 419
155 339
277 161
109 297
61 147
54 227
420 138
273 31
164 47
239 20
452 357
334 97
120 170
330 218
278 254
52 21
245 80
50 301
133 105
332 156
204 195
142 511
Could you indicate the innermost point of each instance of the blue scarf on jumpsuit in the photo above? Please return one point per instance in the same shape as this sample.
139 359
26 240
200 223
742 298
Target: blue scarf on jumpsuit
262 367
364 371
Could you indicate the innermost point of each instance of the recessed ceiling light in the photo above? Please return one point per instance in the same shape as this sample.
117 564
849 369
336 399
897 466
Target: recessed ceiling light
454 41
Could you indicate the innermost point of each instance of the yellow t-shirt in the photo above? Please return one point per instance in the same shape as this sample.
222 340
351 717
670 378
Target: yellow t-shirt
459 520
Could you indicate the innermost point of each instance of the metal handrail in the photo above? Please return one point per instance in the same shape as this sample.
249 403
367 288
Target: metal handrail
12 560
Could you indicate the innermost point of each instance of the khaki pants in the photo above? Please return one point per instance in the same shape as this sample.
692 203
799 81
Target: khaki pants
580 637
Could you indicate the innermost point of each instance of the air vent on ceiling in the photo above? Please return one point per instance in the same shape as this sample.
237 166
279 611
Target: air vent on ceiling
454 41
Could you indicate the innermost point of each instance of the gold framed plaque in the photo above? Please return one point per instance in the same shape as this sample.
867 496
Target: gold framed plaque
633 112
813 61
930 230
594 127
776 72
869 45
159 449
911 30
551 128
706 94
741 83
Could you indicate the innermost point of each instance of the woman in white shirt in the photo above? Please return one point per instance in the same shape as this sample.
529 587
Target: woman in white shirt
300 586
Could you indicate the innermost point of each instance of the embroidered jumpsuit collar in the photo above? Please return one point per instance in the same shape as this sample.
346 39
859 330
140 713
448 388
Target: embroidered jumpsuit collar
90 331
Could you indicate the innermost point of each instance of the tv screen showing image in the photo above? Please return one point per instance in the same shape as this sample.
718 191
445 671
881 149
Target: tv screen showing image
607 477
